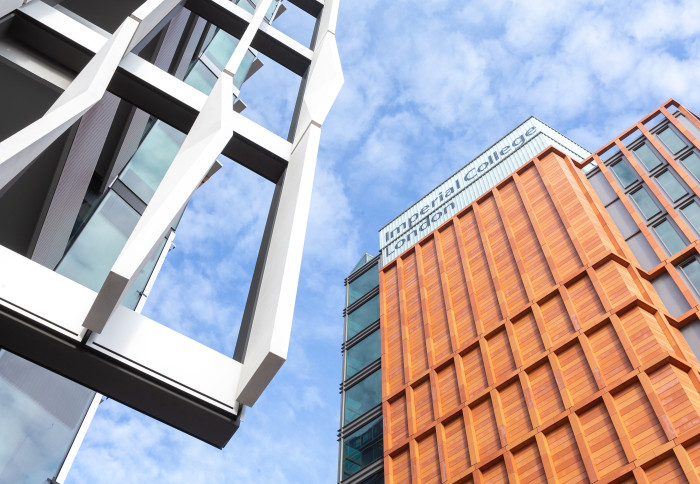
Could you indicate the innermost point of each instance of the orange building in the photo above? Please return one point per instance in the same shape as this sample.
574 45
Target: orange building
544 332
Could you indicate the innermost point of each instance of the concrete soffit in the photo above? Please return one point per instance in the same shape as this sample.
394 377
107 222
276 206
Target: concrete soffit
89 337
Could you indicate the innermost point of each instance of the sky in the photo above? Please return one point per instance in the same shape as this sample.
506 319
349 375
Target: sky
429 84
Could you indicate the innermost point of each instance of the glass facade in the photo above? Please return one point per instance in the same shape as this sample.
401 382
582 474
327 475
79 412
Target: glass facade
624 173
692 164
41 413
671 140
692 214
363 316
645 203
361 393
671 186
362 447
692 272
670 238
362 285
363 396
363 353
647 157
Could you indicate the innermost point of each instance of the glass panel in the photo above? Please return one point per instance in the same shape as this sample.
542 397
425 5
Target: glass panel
221 49
671 140
622 218
624 173
363 396
692 272
602 188
243 69
692 163
692 213
363 316
362 354
647 157
671 186
152 159
92 255
363 260
246 5
669 237
201 78
132 297
271 10
362 447
376 478
642 250
41 413
645 203
362 285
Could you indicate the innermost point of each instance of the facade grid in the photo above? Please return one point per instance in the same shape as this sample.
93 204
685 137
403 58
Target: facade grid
532 338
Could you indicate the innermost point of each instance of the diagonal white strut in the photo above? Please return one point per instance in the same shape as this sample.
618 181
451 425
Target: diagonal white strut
207 138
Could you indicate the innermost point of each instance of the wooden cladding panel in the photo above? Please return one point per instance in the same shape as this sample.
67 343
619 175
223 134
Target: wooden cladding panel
556 319
484 290
496 474
646 334
516 416
506 267
566 458
528 465
502 365
586 302
556 236
609 352
485 428
439 329
668 470
422 404
398 419
456 446
578 378
399 469
414 318
529 248
528 336
393 368
428 460
679 398
500 355
603 442
448 389
461 308
640 421
545 391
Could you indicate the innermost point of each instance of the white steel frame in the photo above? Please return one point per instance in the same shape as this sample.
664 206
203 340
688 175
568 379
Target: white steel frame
89 337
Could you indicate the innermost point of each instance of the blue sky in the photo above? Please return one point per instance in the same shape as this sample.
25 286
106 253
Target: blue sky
428 85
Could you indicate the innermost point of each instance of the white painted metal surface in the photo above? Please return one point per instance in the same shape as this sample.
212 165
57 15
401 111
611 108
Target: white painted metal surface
471 181
90 337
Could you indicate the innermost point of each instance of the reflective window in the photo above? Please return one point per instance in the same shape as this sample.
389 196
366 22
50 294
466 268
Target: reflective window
669 237
221 49
152 159
201 78
132 297
647 157
692 272
671 185
624 173
246 5
92 255
645 203
671 140
363 396
41 413
243 69
363 316
363 353
692 163
362 447
692 213
362 285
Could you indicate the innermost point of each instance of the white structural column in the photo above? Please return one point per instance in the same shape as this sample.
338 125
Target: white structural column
207 138
19 150
271 324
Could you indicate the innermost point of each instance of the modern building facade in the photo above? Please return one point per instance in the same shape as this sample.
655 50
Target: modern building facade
547 329
360 435
116 112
